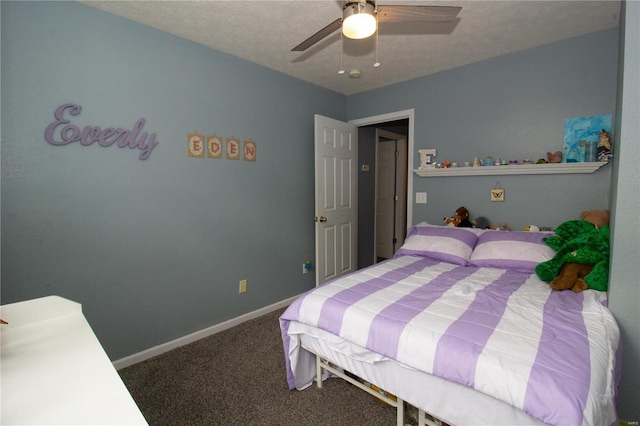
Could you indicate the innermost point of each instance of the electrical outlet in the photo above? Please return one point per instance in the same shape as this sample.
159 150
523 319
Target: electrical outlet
421 198
243 286
304 268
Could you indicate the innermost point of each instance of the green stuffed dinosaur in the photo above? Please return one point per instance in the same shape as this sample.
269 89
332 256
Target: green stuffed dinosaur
582 254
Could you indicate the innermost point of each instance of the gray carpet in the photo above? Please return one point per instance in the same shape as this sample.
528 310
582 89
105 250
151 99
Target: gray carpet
237 377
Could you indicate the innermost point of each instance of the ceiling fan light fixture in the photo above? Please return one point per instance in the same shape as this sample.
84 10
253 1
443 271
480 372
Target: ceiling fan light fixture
358 20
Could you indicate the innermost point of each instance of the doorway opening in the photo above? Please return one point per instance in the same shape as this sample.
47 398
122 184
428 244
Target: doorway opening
390 215
384 185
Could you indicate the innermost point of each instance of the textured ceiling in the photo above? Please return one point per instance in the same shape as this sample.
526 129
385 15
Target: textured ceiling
265 31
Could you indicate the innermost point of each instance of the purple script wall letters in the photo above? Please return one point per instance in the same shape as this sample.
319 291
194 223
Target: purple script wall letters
105 137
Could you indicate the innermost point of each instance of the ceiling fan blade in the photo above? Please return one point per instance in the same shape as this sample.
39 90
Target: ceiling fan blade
318 36
391 13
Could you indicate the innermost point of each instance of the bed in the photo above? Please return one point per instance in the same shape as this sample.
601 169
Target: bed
459 325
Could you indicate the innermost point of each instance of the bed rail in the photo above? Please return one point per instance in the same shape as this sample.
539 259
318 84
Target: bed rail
398 403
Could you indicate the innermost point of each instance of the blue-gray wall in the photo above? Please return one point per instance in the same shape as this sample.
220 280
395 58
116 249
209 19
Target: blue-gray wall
513 106
153 249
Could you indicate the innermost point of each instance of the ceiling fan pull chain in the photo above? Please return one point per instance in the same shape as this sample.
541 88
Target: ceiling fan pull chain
376 64
341 70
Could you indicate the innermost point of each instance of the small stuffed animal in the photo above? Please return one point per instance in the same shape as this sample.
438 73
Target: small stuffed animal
500 227
572 276
481 223
460 218
598 218
582 254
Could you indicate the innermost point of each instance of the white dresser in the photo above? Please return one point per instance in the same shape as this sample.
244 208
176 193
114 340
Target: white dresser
54 370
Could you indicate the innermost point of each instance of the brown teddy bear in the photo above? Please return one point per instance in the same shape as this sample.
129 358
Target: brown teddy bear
598 218
459 219
582 254
572 277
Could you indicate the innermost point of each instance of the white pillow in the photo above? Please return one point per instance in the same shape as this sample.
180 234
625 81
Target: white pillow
447 243
517 250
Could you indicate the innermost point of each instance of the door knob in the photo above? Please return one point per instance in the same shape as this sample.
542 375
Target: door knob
320 219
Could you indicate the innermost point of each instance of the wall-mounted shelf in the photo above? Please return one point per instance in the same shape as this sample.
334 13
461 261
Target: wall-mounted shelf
516 169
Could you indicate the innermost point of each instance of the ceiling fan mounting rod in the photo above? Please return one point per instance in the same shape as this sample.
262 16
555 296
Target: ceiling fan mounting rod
359 2
359 6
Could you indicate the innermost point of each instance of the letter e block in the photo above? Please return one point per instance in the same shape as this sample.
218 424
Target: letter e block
195 142
233 149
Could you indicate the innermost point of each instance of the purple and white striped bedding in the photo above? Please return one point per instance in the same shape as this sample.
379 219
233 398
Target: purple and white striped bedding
501 332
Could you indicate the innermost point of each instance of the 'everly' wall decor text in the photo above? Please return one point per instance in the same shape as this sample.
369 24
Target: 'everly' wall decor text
69 133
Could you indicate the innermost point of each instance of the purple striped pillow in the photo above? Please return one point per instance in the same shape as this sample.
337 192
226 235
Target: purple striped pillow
447 243
517 250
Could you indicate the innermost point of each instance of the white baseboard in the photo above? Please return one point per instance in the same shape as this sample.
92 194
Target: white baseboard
190 338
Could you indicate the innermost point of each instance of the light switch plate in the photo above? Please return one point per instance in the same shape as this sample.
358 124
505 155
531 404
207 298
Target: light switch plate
421 198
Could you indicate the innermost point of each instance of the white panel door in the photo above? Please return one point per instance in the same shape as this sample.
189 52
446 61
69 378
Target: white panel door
336 155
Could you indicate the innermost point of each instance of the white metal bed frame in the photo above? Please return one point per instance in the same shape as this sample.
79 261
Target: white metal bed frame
436 393
398 403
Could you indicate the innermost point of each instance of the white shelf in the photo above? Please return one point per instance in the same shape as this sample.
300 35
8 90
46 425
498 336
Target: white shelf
516 169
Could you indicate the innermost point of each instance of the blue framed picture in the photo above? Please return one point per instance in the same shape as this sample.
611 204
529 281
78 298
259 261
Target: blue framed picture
582 137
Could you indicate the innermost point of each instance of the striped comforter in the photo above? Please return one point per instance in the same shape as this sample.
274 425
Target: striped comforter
501 332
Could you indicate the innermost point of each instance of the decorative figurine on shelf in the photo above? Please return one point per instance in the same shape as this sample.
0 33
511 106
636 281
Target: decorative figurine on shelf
477 162
555 157
488 161
425 159
604 146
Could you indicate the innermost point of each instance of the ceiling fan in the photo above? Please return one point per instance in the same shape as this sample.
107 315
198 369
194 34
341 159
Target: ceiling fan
359 19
